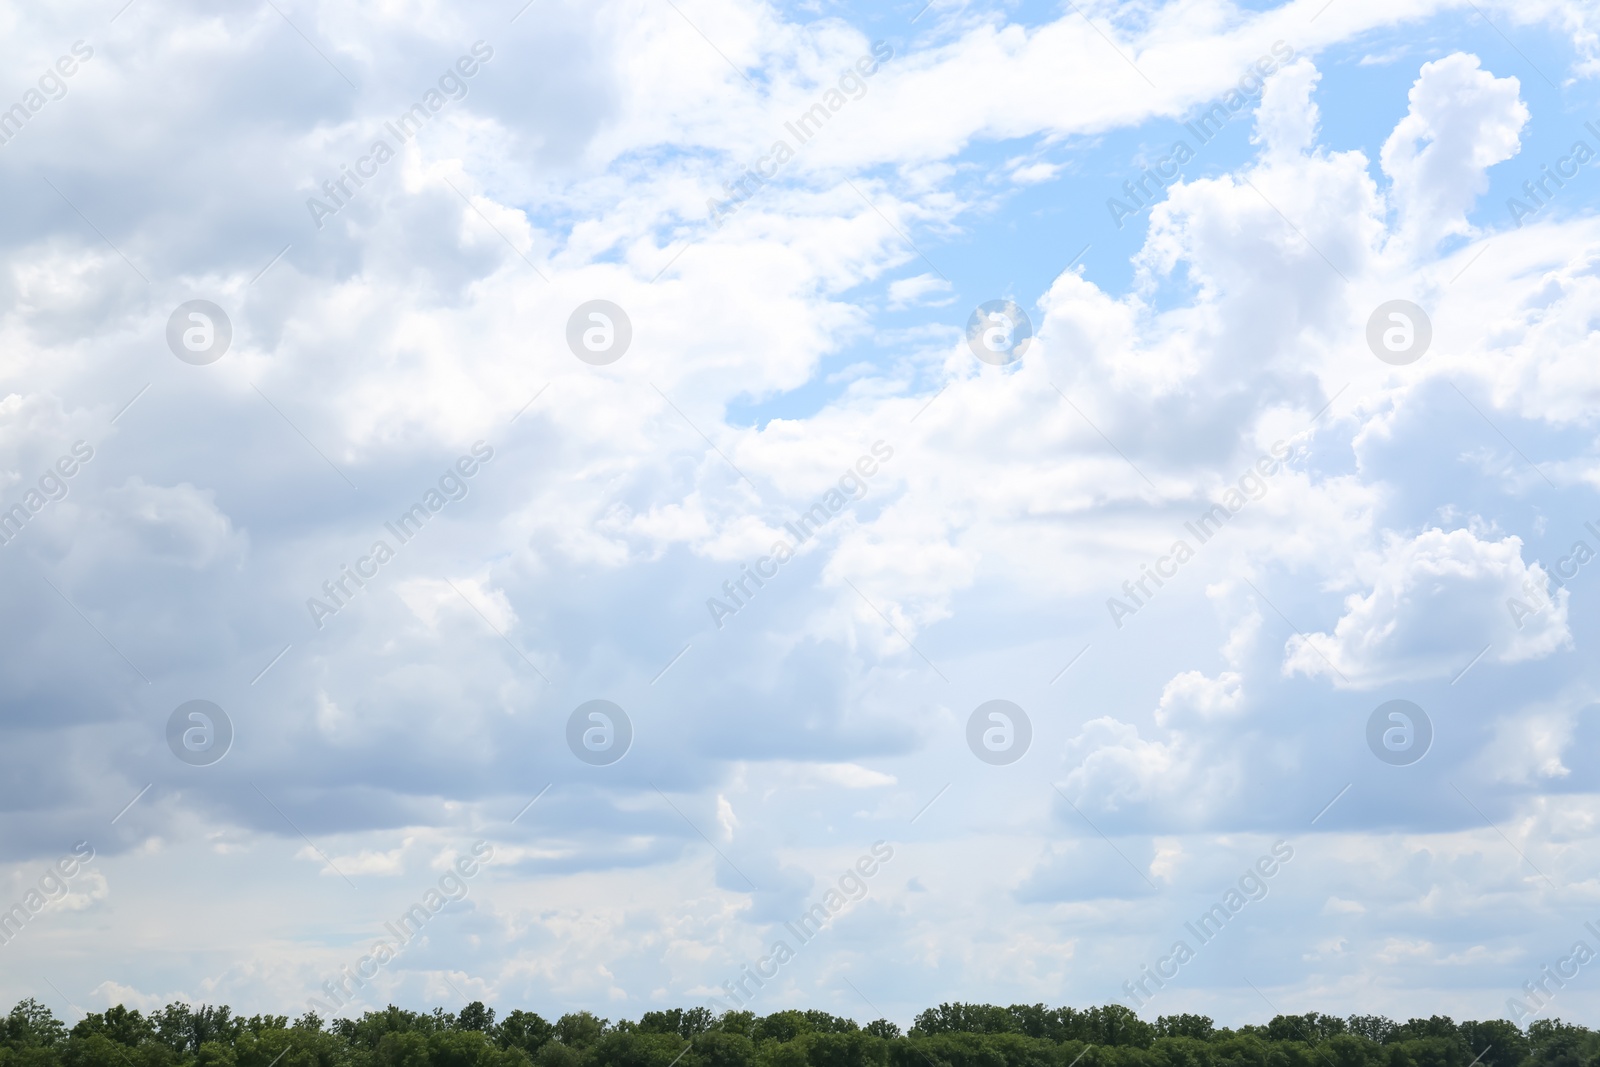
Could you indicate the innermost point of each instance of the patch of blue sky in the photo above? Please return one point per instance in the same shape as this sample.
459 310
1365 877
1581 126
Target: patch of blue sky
1027 234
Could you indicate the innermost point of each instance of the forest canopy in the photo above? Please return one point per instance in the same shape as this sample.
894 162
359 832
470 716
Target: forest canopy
951 1035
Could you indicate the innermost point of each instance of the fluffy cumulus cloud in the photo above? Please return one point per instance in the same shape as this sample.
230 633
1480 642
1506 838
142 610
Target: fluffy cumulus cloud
1431 596
1462 120
580 459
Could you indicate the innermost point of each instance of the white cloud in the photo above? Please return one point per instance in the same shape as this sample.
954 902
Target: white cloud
1193 698
1462 120
1286 120
177 524
768 356
916 290
429 598
1436 600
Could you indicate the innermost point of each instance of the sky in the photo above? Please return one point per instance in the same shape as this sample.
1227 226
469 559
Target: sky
526 502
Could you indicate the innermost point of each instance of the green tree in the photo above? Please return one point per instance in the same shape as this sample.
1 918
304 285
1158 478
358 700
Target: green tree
557 1054
32 1025
1558 1044
1495 1042
738 1022
580 1030
402 1048
783 1026
1199 1027
476 1017
525 1030
964 1019
724 1048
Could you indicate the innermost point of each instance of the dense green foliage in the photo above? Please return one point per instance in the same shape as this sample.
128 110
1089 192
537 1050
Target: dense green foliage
951 1035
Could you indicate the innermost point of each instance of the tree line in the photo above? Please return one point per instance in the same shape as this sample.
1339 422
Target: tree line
951 1035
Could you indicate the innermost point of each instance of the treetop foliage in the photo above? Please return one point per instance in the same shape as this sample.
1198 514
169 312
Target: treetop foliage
950 1035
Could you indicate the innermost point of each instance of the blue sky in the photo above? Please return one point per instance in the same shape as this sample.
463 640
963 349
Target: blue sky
1395 530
